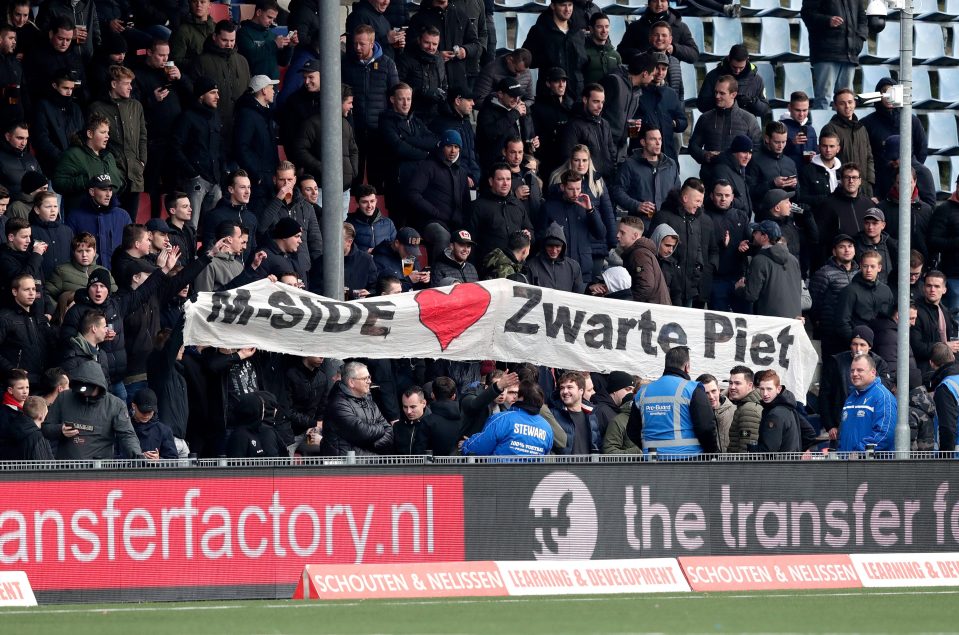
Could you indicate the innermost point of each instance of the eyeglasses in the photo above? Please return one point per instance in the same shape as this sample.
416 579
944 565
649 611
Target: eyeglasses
852 178
367 378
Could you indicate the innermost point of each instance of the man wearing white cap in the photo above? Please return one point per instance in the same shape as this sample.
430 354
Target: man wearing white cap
255 134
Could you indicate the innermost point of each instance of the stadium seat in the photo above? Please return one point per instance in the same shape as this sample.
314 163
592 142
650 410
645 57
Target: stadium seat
953 173
948 86
922 90
516 5
690 83
763 8
929 45
942 133
688 167
697 30
798 76
524 22
726 33
819 118
768 73
871 76
502 31
779 113
934 165
617 28
220 12
803 40
887 46
775 41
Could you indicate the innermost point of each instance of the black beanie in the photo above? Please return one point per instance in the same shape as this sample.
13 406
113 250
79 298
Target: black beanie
100 275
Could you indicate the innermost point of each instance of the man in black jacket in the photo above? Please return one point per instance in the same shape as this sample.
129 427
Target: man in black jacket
438 194
624 85
588 127
550 113
934 322
661 106
943 237
233 207
697 252
945 383
372 13
444 416
751 96
503 115
413 433
496 213
819 178
730 231
424 70
352 421
453 264
770 168
162 90
57 118
865 298
779 427
636 38
454 114
197 148
12 88
732 166
459 39
307 388
825 288
301 105
553 42
26 336
716 129
839 28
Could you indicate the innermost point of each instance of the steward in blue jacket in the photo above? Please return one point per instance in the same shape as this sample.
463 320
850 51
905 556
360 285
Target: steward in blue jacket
520 431
869 416
673 414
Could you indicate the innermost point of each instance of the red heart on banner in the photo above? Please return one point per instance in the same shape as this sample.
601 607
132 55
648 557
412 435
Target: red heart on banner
448 315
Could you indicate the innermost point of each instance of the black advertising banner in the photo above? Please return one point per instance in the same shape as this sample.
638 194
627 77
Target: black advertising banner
710 509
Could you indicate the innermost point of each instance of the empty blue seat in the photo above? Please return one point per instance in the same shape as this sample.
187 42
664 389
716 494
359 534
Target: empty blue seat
524 22
698 32
929 46
726 33
887 46
688 168
765 8
798 76
948 87
690 83
932 162
617 28
775 41
870 76
502 31
942 133
819 118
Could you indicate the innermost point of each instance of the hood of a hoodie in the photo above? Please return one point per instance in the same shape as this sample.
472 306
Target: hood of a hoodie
662 231
617 279
377 54
210 47
842 122
89 372
555 231
249 411
778 253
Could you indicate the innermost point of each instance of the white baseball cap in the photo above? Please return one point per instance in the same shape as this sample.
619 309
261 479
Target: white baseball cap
259 82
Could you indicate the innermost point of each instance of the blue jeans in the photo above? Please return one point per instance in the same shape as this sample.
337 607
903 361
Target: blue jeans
722 297
119 390
827 78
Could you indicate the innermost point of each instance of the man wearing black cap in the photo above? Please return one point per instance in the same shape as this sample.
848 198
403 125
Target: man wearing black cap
550 113
601 56
402 254
873 237
287 235
661 106
884 123
503 115
302 104
825 288
732 166
454 114
454 263
156 438
751 96
773 282
99 215
159 237
197 148
798 230
587 126
661 46
620 387
439 194
423 69
513 65
553 42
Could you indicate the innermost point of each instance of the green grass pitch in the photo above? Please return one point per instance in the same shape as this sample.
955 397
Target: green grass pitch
842 611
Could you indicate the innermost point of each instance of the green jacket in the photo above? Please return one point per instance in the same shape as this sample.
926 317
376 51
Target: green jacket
128 137
499 264
744 429
258 45
187 41
616 440
77 165
600 60
69 277
21 206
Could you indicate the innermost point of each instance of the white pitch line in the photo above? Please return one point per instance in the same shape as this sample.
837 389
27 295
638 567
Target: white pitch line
332 604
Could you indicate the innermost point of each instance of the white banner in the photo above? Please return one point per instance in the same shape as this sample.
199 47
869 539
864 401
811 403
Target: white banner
505 321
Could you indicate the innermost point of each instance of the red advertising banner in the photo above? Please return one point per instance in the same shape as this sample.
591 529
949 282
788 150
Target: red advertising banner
907 569
238 530
761 573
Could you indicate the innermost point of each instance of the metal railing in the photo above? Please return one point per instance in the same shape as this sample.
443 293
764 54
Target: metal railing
409 460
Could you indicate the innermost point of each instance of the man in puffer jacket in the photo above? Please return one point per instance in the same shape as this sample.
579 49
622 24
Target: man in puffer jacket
352 421
779 429
454 262
744 430
751 96
87 421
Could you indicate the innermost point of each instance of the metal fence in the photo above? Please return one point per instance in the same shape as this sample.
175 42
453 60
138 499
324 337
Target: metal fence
342 461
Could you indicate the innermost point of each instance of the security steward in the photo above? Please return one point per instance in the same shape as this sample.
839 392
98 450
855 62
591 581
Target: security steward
672 415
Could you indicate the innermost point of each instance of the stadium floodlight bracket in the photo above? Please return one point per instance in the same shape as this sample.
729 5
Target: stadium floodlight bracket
881 7
892 95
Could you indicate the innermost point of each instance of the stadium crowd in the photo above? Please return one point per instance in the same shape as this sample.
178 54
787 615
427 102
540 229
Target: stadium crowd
569 180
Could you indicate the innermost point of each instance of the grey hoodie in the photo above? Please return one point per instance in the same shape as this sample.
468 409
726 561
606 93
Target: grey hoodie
662 231
102 420
562 274
774 283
